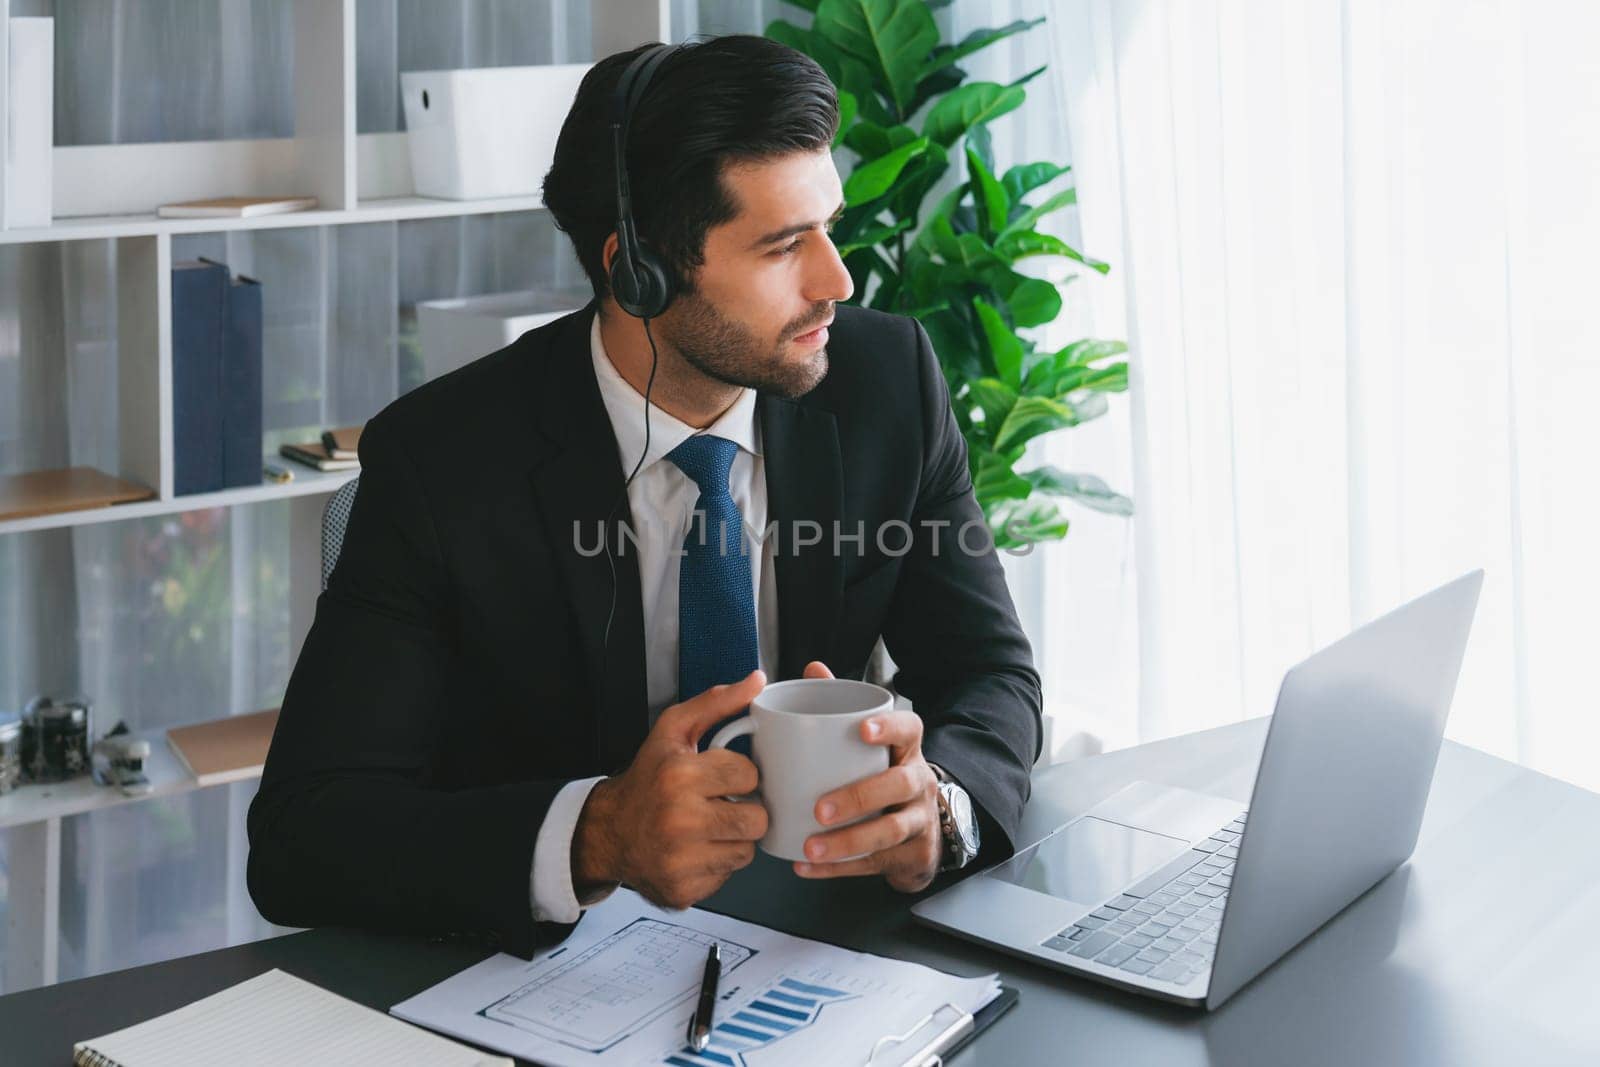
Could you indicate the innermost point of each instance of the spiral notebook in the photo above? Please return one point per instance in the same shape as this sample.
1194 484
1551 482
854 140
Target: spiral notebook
271 1020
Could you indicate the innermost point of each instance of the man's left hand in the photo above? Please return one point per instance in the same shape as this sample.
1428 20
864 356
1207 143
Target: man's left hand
903 843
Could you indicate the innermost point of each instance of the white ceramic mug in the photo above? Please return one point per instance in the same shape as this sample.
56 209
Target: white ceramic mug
806 741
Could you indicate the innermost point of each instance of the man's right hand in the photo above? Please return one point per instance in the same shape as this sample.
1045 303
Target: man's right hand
662 826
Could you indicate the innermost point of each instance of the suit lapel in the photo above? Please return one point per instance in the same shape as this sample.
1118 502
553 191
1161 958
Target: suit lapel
805 483
577 485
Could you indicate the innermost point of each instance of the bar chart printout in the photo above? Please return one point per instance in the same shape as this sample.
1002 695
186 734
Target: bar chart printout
787 1007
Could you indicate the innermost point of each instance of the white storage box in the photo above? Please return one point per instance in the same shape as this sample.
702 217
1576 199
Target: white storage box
486 132
27 110
456 332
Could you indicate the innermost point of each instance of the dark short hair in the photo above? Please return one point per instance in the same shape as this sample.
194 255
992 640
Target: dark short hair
731 99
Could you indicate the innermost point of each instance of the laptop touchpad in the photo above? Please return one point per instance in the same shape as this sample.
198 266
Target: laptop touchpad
1089 861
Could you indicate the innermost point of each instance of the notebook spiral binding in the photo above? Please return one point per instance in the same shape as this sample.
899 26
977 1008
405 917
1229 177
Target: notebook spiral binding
85 1057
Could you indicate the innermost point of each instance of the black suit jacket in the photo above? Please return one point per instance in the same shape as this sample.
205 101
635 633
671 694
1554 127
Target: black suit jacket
454 680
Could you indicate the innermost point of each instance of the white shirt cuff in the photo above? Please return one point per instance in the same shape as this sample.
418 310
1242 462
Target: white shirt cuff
553 897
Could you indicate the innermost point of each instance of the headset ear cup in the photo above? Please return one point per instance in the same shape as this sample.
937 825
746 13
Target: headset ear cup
644 291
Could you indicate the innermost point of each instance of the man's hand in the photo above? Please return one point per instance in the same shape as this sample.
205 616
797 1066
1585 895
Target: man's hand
662 826
904 843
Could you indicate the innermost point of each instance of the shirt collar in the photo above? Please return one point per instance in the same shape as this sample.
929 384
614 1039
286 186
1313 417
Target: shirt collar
625 407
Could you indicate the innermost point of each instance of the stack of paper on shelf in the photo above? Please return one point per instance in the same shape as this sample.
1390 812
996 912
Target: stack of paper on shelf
236 207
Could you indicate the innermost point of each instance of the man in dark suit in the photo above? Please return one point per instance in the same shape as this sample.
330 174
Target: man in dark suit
498 712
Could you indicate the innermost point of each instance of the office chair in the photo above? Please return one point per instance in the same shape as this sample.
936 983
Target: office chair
335 515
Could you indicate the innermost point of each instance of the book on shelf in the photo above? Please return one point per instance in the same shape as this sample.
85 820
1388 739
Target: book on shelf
216 378
315 454
236 207
342 443
225 750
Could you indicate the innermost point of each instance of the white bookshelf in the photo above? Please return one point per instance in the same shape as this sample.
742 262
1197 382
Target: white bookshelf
356 180
387 209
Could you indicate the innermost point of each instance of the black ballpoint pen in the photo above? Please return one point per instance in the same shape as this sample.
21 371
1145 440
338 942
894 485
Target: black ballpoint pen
700 1024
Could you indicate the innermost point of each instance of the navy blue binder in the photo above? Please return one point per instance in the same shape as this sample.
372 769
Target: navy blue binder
199 299
241 384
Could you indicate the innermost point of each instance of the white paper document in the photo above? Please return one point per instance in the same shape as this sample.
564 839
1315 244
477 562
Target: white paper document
622 988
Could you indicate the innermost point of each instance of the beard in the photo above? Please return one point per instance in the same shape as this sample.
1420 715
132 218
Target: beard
728 352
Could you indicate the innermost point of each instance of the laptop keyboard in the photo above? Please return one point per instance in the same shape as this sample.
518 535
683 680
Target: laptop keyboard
1164 926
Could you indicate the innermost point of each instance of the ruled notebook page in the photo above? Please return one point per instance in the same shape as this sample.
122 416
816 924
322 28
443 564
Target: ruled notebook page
273 1019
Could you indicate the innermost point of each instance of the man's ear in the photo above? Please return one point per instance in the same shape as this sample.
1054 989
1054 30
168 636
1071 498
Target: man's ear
608 252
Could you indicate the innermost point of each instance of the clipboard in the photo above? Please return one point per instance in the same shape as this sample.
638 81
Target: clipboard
940 1035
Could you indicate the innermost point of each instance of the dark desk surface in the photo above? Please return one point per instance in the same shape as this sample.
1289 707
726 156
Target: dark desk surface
1485 948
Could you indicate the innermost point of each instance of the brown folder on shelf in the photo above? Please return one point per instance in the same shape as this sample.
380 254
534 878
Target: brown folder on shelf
225 750
70 489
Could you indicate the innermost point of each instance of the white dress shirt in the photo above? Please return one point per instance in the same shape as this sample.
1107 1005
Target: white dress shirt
662 499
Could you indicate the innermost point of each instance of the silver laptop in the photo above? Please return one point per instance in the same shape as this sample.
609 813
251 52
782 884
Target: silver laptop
1187 897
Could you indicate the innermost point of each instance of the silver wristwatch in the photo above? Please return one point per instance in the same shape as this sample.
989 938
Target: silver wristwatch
958 823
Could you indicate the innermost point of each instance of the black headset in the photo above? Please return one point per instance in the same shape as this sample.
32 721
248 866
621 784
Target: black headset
640 281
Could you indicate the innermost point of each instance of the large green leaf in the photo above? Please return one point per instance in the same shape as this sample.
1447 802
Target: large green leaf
1021 245
993 479
1026 220
1086 404
1086 489
892 37
1034 302
876 235
1090 350
1031 416
1024 522
871 180
973 42
981 141
1024 178
921 175
935 85
974 253
1054 378
1004 347
995 398
992 199
798 38
871 141
847 115
963 108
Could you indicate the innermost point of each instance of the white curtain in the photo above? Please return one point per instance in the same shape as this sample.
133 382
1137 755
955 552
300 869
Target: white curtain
1355 244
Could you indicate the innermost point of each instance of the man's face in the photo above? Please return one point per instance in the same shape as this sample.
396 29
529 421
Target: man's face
770 275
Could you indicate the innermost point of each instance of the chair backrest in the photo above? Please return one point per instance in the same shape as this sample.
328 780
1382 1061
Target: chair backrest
334 517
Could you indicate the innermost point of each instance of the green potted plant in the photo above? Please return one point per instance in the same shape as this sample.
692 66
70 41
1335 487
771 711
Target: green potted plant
954 267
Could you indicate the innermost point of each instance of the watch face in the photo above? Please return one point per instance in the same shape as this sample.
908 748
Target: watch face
962 819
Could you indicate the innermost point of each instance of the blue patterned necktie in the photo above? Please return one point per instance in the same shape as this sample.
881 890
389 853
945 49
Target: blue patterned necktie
716 603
